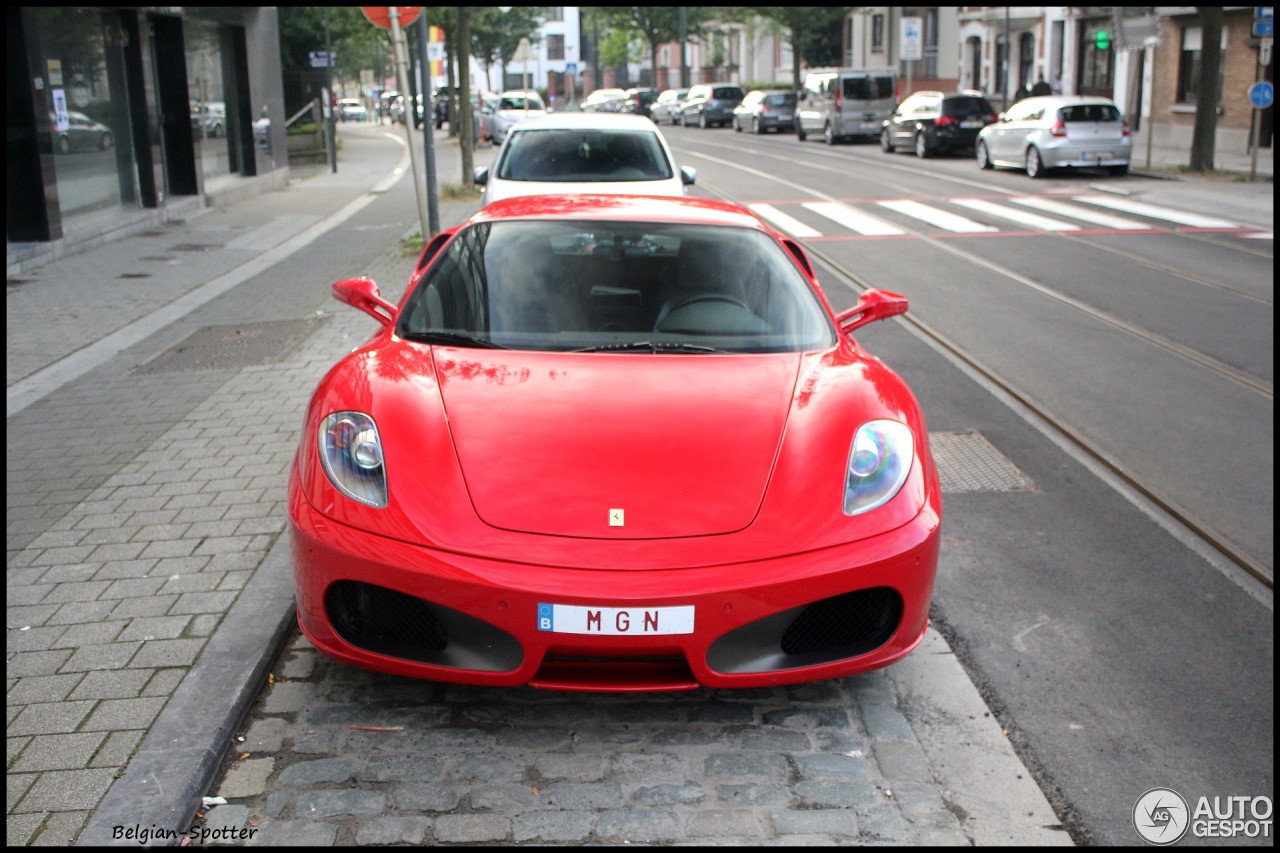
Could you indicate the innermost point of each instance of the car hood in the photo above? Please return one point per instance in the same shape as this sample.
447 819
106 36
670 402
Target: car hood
616 445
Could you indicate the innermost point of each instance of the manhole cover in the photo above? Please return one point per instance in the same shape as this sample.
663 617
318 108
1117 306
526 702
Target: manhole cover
967 462
232 347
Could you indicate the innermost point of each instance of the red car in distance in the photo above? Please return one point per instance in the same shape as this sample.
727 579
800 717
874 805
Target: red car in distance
614 443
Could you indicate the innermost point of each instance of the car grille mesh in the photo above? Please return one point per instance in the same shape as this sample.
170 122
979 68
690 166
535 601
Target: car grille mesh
856 621
385 621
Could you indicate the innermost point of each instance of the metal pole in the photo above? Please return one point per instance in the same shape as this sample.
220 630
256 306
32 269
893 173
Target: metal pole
330 132
684 40
1257 123
402 74
1004 65
428 129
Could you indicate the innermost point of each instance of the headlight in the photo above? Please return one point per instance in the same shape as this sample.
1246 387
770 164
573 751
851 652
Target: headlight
351 455
879 462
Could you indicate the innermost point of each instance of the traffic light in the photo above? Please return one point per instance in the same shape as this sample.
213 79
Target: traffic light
1102 41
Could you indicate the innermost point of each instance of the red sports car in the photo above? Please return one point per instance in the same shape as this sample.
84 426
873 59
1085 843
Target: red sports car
612 443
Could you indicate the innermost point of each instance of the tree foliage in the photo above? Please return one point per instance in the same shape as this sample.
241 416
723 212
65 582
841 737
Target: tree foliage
495 34
812 31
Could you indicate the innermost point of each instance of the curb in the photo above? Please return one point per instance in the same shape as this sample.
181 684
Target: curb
179 758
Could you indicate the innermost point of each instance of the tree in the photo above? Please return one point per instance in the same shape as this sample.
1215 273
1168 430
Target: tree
655 25
1208 89
495 34
464 95
813 31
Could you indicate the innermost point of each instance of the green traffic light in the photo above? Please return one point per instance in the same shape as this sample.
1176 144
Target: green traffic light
1102 40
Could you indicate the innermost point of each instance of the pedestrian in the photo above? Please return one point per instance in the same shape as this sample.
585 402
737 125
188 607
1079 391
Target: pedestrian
1041 87
1023 92
1057 83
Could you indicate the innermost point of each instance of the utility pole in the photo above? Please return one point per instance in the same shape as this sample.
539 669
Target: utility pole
684 40
330 132
402 74
428 130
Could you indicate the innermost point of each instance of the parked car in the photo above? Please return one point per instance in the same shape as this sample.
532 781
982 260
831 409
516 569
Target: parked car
440 105
639 101
763 110
80 134
931 122
352 109
711 105
1057 132
604 101
525 476
208 120
845 103
583 153
666 109
514 106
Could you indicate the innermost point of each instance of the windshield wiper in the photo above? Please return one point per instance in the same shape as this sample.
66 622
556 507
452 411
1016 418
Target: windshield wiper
649 346
450 338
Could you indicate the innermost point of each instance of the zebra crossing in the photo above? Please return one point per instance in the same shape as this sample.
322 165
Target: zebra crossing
1081 213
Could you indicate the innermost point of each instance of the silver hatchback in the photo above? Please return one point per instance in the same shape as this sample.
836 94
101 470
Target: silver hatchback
1039 134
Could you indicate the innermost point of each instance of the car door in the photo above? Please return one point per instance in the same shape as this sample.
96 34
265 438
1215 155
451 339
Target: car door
1007 135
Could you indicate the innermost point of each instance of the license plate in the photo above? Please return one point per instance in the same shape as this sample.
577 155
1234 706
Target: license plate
971 122
615 621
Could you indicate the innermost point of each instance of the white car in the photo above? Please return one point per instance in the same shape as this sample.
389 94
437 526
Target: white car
1057 132
584 153
513 107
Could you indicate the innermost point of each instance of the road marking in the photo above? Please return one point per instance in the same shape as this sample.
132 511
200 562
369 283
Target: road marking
940 218
1022 217
853 219
1156 212
1063 209
782 221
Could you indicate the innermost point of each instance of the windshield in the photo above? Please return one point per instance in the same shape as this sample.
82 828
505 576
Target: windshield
616 287
584 155
519 102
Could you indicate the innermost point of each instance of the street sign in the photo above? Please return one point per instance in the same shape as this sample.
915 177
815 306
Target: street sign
913 38
1261 95
571 68
524 52
380 16
1265 28
1264 12
1264 51
323 59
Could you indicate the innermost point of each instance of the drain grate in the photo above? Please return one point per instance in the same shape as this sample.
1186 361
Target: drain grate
967 462
232 347
134 275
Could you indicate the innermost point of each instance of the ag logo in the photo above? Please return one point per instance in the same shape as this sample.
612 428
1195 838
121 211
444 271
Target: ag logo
1161 816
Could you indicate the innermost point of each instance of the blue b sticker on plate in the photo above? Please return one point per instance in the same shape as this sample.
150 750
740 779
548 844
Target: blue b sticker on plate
546 617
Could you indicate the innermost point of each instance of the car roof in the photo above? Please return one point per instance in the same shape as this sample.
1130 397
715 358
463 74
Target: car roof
623 208
576 121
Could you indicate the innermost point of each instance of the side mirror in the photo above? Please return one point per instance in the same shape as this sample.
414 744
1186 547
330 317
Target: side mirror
481 175
688 175
873 305
363 293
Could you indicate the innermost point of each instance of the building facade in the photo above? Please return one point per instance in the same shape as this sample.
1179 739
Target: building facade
119 116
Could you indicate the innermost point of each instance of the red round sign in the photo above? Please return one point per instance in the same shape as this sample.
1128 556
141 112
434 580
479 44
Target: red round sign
381 15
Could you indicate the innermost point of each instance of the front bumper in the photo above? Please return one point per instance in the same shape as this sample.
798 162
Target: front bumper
391 606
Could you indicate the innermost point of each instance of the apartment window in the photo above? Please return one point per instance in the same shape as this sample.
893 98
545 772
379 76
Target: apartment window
877 33
1190 66
555 13
555 47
